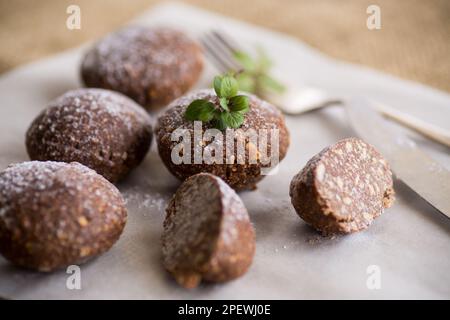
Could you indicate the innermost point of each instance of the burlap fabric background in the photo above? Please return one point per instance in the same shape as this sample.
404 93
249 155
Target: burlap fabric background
413 43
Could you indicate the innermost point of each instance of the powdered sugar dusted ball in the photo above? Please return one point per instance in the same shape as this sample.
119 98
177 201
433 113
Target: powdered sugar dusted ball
101 129
242 162
343 188
153 66
54 214
207 233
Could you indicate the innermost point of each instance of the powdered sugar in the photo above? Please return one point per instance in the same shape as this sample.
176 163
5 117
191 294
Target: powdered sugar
95 102
147 64
27 178
101 129
261 112
150 202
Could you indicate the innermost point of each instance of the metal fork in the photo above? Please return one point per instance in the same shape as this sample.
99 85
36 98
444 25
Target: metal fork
220 49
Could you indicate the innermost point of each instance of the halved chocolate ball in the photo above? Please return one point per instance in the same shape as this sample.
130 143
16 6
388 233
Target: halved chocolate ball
207 233
343 188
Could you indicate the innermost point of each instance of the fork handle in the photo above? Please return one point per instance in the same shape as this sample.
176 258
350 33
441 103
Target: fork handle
300 100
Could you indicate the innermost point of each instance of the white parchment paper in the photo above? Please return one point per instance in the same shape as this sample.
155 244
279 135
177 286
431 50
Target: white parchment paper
410 242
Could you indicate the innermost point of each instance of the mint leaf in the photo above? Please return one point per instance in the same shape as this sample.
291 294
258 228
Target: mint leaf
217 85
232 119
224 104
200 110
239 104
232 108
218 121
255 77
271 84
246 82
228 87
264 62
207 113
245 60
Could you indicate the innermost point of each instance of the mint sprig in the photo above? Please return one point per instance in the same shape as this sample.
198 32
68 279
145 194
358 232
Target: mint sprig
255 76
231 110
200 110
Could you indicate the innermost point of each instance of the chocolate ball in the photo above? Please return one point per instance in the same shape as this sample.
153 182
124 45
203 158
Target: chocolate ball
55 214
101 129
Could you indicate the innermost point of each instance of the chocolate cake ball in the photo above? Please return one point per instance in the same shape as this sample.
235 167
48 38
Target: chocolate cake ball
343 188
153 66
54 214
207 233
238 170
101 129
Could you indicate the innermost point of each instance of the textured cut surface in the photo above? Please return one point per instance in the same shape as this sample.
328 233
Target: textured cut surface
343 188
207 233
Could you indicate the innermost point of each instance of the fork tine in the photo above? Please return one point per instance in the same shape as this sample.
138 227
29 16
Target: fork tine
215 59
220 52
221 55
225 48
226 41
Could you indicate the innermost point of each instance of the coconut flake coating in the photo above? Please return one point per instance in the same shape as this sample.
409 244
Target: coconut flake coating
207 233
239 175
54 214
343 188
101 129
152 66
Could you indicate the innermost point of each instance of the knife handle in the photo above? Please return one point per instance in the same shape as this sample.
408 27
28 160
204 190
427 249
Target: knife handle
425 128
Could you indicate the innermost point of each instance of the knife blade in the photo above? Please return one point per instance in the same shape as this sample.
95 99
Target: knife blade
425 176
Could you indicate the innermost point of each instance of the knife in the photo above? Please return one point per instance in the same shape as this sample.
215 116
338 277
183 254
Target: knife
425 176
